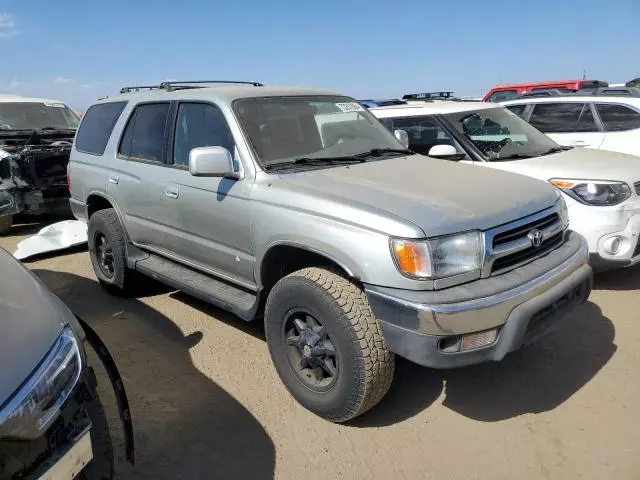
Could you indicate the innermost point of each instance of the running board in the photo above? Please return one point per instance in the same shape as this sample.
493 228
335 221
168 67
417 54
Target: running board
200 285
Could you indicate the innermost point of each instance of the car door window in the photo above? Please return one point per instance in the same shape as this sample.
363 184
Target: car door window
562 117
518 109
144 136
199 125
618 118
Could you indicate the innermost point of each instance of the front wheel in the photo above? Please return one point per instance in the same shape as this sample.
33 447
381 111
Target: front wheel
326 345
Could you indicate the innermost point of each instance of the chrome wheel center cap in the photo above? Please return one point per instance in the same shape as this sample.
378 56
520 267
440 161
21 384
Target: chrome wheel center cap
306 351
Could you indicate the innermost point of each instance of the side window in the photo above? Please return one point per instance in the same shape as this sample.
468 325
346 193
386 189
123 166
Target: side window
200 125
144 136
502 96
518 109
618 118
586 122
424 133
557 117
96 127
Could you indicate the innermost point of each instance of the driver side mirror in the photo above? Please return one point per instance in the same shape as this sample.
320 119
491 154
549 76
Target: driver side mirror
211 162
447 152
403 137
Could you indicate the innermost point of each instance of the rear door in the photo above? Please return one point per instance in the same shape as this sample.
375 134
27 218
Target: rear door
622 126
569 123
137 181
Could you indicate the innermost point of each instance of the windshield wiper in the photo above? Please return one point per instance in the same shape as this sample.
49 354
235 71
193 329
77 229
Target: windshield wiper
554 150
314 161
379 152
54 129
513 156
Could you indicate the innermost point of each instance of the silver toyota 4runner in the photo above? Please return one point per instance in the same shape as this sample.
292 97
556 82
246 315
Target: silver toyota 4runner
299 207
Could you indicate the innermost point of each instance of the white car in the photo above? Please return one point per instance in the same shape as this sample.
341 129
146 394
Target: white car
602 189
608 119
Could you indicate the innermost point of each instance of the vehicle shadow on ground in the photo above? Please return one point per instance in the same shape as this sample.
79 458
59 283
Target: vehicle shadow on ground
185 425
620 279
533 380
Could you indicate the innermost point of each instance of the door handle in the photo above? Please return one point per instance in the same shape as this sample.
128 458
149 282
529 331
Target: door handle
114 180
579 143
171 192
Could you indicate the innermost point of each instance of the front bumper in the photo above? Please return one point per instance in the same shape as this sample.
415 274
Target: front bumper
521 305
599 225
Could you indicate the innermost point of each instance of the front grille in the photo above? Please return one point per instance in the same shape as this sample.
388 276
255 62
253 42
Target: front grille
508 262
637 187
509 248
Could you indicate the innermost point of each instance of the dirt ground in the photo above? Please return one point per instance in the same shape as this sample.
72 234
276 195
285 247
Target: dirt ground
206 401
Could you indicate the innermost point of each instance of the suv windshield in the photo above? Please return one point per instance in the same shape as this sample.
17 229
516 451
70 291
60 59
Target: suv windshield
500 134
35 116
319 128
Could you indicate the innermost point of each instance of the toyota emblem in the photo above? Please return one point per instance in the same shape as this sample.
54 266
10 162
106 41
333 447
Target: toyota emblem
536 237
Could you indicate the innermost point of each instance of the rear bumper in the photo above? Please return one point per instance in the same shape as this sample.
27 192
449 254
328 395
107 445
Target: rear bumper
418 328
78 209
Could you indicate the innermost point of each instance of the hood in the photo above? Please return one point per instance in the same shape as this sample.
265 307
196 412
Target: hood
577 163
438 196
31 319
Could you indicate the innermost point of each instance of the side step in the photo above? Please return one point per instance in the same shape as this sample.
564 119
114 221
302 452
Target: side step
205 287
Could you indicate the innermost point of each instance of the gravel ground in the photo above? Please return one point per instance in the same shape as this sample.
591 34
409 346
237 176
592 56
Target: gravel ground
206 401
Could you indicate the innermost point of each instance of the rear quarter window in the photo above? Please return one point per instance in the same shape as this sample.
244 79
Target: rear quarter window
96 127
618 118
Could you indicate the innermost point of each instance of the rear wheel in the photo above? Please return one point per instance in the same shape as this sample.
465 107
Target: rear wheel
107 250
6 222
326 344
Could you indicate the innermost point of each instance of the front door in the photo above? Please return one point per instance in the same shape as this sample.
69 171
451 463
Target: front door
212 224
570 124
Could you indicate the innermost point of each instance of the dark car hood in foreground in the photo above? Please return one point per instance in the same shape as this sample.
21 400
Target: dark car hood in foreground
439 196
31 318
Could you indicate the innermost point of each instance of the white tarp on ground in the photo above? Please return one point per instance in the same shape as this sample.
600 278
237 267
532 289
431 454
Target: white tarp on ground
58 236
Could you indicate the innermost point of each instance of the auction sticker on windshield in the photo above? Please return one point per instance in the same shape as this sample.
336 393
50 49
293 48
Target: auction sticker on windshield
55 105
350 107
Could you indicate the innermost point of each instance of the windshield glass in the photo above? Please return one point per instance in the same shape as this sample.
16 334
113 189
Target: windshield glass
500 134
34 116
283 129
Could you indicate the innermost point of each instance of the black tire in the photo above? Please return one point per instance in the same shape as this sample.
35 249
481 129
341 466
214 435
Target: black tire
105 225
363 367
6 222
102 465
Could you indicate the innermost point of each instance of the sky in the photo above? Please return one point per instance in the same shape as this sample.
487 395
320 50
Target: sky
77 50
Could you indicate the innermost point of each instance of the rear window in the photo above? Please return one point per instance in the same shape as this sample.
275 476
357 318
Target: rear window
145 134
502 96
96 127
618 118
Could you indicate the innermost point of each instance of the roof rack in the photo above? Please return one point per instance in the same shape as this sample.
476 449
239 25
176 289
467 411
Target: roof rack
611 91
429 96
184 85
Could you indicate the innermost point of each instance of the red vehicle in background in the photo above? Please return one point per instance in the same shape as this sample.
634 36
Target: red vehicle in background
509 92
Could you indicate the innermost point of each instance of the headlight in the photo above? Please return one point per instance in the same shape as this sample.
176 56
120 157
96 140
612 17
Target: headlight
563 210
438 257
599 193
37 403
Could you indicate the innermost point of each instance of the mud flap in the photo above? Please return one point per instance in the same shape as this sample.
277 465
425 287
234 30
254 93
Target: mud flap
117 384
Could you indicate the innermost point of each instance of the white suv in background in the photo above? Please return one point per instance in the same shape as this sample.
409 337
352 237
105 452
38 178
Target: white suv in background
601 189
606 119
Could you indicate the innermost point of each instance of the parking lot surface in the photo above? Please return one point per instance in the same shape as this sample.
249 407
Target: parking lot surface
207 403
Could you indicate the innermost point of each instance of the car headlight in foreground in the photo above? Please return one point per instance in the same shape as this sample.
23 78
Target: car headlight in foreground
438 257
37 403
598 193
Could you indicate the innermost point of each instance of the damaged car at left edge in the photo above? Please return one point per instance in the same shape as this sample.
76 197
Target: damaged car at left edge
35 140
52 422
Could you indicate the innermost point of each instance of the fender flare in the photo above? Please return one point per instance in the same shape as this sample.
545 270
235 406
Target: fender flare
118 387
